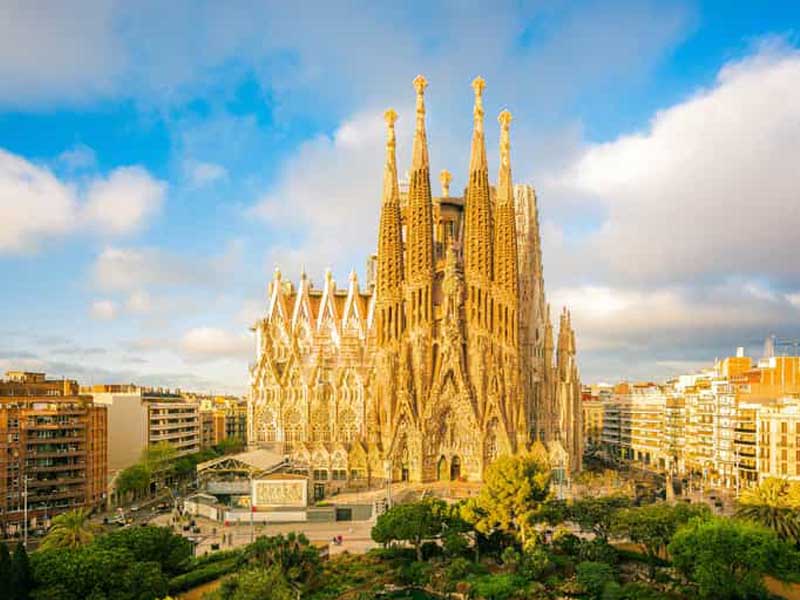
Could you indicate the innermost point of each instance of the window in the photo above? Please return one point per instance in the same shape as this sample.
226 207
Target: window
357 474
320 475
339 475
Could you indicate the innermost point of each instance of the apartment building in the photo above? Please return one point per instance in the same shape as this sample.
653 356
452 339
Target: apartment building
139 417
53 446
221 417
731 425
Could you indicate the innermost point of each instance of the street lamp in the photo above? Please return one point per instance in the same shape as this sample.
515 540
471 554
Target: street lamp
387 464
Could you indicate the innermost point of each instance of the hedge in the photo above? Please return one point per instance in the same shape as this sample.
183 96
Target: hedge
204 574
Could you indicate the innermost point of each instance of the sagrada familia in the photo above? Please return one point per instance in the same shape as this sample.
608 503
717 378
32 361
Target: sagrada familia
446 359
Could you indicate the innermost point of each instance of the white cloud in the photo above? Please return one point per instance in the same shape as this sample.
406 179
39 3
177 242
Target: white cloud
103 310
36 205
201 173
124 201
209 343
710 188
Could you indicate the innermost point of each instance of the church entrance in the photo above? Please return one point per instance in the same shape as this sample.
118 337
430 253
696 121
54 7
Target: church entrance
404 473
455 468
441 469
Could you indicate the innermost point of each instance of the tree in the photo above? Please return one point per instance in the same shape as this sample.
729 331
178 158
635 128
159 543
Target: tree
70 530
775 504
229 446
594 577
5 563
21 577
294 555
727 558
653 526
159 457
151 544
596 515
513 490
255 584
414 523
92 571
133 480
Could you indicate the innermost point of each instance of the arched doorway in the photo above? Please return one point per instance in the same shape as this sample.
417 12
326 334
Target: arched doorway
455 468
441 469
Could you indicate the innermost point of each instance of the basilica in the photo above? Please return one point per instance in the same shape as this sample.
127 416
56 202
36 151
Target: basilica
444 358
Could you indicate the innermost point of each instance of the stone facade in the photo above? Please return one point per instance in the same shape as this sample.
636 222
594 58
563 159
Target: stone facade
446 360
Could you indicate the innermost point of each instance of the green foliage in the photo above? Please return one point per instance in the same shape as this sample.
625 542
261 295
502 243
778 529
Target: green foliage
229 446
596 515
598 550
513 490
5 563
414 523
455 544
70 530
21 576
631 591
775 504
293 554
652 526
535 564
459 569
255 584
566 543
497 587
727 559
133 480
94 572
593 577
159 544
202 574
159 457
416 573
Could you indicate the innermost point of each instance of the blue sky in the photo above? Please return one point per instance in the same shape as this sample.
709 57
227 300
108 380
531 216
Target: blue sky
157 162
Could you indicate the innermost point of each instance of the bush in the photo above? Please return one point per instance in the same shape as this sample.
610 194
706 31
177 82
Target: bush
417 573
568 544
593 577
459 569
497 587
395 554
598 550
510 558
455 544
631 591
535 564
430 549
203 574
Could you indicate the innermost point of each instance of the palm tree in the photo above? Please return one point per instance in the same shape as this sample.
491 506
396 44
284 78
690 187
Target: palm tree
70 530
773 504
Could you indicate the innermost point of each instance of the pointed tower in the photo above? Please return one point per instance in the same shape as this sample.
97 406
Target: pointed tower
419 224
506 276
389 289
477 223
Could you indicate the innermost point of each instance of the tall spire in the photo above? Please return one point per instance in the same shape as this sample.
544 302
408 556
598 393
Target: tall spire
478 223
506 274
419 219
390 245
478 152
419 152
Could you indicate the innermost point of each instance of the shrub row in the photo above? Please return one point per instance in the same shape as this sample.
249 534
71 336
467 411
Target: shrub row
203 574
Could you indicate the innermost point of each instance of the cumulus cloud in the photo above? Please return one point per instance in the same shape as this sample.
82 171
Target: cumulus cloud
124 201
209 343
103 310
710 189
36 205
80 156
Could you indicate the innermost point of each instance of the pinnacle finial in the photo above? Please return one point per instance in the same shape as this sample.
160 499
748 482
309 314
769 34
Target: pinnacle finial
504 118
478 85
390 116
445 177
277 272
420 83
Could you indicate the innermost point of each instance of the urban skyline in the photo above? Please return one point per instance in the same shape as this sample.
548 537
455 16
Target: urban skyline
145 202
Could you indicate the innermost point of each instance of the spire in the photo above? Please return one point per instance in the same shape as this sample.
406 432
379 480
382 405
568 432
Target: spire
477 215
478 153
419 152
419 214
506 273
389 288
390 189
